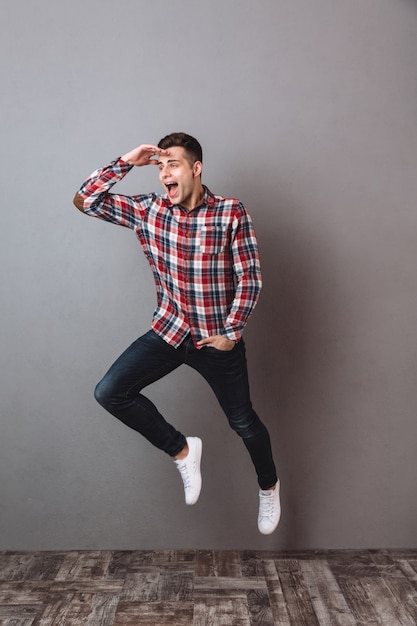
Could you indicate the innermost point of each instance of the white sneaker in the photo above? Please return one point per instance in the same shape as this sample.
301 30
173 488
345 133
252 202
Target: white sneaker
189 469
269 510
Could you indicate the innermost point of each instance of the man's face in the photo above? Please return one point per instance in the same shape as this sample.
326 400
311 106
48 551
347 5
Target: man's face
179 177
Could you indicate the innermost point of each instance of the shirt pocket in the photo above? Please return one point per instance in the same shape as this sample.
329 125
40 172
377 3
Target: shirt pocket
212 239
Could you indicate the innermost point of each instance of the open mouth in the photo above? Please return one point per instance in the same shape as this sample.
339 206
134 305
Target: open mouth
171 189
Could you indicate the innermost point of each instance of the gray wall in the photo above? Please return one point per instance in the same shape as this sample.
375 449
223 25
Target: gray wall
307 111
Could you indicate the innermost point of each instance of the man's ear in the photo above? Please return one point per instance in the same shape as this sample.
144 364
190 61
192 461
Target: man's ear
197 168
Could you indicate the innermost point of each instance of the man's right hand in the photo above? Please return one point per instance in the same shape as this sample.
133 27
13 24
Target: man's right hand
144 155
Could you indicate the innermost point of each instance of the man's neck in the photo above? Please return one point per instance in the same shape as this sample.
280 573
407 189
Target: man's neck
196 198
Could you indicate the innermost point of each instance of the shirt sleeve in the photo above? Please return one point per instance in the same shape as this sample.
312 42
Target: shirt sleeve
247 269
93 197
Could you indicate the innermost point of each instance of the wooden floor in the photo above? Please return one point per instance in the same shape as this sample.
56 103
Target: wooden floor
204 587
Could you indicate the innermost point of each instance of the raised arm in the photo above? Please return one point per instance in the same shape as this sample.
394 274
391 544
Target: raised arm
144 155
94 198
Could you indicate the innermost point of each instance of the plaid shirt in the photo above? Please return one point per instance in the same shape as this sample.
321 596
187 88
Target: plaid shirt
205 262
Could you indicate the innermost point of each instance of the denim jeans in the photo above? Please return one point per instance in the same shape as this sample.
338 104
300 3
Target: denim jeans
150 358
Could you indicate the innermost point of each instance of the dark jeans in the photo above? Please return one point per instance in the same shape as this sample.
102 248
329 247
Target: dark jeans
150 358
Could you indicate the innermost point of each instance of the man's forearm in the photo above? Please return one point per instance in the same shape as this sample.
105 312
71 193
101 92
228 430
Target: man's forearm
246 297
100 182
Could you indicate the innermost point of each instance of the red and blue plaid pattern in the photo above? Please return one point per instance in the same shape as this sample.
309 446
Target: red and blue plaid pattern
205 262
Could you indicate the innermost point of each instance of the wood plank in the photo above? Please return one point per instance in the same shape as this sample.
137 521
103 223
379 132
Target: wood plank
326 596
103 610
121 562
387 566
359 602
405 592
68 565
251 563
71 609
389 609
30 565
86 586
17 621
175 586
403 553
221 612
130 561
297 599
352 564
409 571
220 594
141 586
204 563
206 583
15 565
84 565
259 608
18 611
160 613
44 565
227 563
30 592
275 593
413 563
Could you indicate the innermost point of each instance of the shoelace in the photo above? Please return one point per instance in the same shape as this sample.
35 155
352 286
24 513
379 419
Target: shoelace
267 505
183 469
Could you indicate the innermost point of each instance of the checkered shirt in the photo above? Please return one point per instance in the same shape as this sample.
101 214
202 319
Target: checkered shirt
205 262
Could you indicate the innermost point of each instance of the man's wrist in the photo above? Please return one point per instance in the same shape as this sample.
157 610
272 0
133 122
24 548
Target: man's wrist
235 337
125 159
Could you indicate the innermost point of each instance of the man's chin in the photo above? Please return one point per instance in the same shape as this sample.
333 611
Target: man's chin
175 198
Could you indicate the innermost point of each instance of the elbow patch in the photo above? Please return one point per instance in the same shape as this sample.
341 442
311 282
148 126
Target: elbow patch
79 202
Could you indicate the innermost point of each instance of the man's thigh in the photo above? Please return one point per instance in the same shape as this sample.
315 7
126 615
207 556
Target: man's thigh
227 374
145 361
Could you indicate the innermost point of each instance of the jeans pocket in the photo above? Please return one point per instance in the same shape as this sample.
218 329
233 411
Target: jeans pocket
218 351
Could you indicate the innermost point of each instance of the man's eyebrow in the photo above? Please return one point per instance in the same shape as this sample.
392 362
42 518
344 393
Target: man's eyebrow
169 161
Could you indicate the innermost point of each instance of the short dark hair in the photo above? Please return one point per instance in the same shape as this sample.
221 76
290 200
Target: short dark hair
190 145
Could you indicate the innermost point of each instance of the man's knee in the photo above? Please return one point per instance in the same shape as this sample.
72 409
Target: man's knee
245 424
103 393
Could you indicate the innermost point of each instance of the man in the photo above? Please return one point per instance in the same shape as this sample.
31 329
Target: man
204 257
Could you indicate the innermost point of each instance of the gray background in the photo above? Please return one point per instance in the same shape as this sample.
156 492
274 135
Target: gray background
307 112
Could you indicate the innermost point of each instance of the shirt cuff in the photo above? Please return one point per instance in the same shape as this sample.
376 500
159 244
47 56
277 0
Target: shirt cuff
123 164
231 333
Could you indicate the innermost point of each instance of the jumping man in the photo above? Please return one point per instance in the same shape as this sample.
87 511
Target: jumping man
204 257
